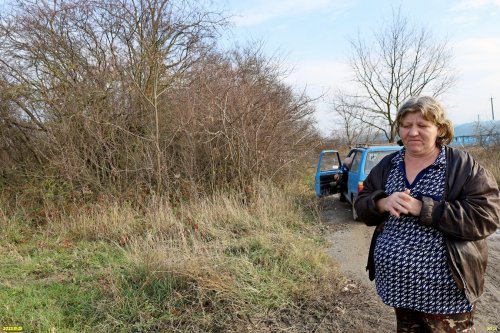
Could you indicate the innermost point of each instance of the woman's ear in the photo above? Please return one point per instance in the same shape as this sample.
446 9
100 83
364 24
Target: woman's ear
441 131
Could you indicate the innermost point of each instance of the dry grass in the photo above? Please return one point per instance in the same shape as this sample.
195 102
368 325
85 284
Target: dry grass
489 157
227 263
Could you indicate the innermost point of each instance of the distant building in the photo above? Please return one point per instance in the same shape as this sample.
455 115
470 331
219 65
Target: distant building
477 133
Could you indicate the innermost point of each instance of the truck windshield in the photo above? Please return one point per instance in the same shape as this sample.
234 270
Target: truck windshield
373 157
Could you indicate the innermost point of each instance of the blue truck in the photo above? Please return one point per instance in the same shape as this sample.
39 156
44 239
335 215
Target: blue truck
334 176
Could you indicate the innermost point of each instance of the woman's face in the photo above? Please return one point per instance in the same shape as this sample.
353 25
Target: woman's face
418 135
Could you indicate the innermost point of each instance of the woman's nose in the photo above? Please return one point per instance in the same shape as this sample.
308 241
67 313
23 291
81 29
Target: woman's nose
413 131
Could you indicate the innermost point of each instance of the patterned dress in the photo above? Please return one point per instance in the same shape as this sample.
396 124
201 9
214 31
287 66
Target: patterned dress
411 268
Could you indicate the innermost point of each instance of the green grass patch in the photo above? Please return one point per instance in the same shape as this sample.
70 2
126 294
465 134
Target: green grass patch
54 285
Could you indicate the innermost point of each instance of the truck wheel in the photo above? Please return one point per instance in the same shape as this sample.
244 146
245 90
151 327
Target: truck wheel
355 216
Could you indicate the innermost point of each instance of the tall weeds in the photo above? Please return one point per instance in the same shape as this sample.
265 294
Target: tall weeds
224 263
489 157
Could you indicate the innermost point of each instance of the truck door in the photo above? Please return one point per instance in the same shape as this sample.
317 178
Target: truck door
354 171
328 173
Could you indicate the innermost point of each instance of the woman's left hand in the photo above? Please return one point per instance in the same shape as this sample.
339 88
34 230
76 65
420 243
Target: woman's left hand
414 206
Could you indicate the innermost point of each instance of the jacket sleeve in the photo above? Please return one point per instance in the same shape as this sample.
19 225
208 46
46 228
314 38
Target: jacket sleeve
472 214
373 190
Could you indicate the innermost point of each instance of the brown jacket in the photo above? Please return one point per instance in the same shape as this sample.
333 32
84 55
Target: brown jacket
468 213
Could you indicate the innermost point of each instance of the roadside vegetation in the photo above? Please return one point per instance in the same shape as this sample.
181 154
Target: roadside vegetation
489 157
221 264
150 181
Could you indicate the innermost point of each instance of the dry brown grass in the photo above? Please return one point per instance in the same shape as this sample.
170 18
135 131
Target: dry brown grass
227 261
489 157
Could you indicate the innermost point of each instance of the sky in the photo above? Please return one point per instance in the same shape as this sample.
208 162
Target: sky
312 36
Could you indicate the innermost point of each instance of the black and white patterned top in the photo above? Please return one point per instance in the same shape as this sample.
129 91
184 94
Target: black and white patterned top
411 269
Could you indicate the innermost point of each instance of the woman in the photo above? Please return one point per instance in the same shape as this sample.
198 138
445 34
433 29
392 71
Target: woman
433 207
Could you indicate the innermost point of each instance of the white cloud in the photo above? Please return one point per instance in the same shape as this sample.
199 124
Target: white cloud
465 20
472 13
477 62
263 11
475 4
478 54
320 77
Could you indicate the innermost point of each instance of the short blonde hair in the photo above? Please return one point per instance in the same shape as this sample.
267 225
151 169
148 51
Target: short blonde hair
432 111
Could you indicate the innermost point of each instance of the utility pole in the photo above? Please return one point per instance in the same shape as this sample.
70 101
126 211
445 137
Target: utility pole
492 112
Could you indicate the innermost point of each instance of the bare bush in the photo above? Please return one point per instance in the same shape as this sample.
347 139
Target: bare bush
252 123
132 99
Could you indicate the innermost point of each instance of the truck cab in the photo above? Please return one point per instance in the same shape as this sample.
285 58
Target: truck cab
364 158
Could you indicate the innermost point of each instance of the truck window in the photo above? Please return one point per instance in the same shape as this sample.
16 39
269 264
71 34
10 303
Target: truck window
330 161
355 162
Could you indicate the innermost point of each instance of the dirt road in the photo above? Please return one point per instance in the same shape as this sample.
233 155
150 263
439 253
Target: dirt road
350 243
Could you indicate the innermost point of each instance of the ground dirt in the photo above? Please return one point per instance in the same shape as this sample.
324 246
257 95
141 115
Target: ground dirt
350 242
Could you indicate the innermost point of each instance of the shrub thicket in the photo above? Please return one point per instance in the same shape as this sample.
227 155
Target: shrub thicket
132 99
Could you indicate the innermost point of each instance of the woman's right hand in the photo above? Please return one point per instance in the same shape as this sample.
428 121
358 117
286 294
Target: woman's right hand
400 203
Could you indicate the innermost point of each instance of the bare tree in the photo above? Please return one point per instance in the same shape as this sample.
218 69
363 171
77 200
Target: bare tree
350 117
163 39
400 62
